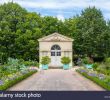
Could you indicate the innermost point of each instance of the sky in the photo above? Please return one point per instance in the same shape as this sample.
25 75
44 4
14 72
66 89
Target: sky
63 8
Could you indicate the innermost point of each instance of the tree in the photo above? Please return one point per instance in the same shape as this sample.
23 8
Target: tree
50 25
20 31
90 26
10 15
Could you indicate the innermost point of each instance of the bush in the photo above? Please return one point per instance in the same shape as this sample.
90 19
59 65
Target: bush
13 65
102 69
107 60
31 63
65 60
13 82
107 63
45 60
102 83
95 65
13 72
87 60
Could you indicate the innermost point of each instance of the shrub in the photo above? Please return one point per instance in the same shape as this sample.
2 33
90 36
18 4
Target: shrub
98 81
107 63
104 66
65 60
87 60
95 65
103 70
13 72
13 65
13 82
107 60
31 63
45 60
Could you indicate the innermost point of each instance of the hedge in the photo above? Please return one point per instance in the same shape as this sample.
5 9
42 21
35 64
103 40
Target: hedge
96 80
13 82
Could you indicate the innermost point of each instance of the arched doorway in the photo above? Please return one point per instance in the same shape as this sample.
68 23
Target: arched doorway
55 55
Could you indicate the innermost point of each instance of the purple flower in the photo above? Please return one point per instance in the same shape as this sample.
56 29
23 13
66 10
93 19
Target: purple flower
10 78
33 69
101 76
92 74
1 82
83 71
24 72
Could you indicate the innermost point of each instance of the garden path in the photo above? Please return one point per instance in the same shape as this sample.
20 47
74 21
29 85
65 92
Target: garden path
56 79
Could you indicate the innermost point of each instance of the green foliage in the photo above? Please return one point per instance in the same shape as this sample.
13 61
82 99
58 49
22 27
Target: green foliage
31 63
103 68
50 25
107 63
107 60
65 60
13 65
3 71
20 31
95 65
91 28
45 60
87 60
13 82
102 83
13 72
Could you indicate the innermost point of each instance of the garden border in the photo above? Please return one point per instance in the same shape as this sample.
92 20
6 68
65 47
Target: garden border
13 82
96 80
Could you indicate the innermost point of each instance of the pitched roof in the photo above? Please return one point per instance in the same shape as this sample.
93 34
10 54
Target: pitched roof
55 37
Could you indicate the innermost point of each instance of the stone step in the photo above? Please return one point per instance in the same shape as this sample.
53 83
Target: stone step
55 67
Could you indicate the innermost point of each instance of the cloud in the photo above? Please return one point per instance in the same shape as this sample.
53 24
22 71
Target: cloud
107 16
66 6
60 17
63 4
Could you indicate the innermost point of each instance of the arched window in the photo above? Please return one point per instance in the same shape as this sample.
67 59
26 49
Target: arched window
55 50
55 47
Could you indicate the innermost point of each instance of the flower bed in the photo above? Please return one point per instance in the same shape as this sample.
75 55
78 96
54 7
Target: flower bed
14 71
100 79
9 81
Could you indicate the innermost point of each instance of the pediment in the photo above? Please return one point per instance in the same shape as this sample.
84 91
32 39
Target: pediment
56 37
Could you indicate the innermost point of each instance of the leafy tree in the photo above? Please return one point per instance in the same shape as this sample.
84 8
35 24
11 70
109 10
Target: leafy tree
90 26
20 31
50 25
10 15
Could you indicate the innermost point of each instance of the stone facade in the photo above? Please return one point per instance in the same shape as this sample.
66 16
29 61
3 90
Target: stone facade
55 46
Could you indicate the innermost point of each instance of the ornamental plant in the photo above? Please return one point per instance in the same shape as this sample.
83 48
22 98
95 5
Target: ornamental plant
87 60
65 60
45 60
31 63
107 63
13 65
95 66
